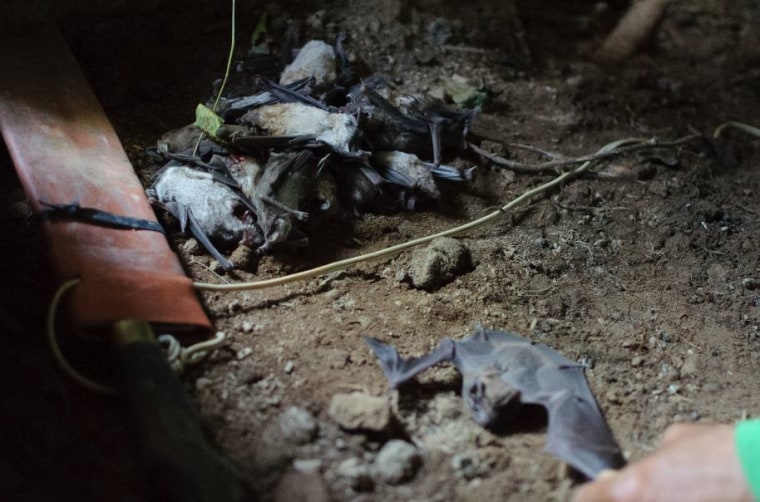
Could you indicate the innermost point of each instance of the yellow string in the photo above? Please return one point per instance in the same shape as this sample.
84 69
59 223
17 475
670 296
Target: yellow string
55 349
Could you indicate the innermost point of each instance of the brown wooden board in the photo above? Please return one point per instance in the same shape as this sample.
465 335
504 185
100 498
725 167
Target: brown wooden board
66 151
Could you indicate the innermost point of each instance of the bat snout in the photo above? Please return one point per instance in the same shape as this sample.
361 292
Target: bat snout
491 402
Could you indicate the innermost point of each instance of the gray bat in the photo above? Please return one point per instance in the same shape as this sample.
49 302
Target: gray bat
213 212
499 371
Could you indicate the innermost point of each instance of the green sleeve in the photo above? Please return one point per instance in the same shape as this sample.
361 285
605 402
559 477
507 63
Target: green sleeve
748 448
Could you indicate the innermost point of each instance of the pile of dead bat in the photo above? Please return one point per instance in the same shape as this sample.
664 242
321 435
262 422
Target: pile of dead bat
315 146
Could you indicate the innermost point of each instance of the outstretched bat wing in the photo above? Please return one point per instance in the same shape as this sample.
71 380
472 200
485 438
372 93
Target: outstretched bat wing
399 370
578 432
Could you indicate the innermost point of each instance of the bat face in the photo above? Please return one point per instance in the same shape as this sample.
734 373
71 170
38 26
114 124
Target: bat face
490 399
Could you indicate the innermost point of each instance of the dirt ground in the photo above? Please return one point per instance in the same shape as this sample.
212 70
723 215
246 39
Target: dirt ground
653 280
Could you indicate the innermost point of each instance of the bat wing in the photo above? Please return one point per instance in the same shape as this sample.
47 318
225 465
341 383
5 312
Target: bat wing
578 432
187 221
399 370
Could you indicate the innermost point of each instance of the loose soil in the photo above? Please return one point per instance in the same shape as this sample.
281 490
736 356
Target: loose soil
652 280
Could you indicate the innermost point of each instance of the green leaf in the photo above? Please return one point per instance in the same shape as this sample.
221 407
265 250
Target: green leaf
206 120
259 31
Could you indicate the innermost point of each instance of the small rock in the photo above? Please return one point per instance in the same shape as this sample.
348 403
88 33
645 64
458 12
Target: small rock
690 365
445 408
289 367
357 473
749 283
246 327
19 210
468 466
316 21
298 425
439 263
244 352
216 267
668 372
192 247
637 361
243 257
613 396
358 411
315 59
249 373
307 465
202 383
396 462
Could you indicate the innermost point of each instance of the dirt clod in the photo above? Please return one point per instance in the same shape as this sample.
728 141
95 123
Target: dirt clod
357 473
358 411
439 263
298 425
396 462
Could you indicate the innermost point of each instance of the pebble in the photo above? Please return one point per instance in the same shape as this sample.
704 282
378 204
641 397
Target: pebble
749 283
19 210
445 408
613 396
396 462
244 257
216 267
637 361
357 473
307 465
439 263
203 382
244 352
690 365
468 466
289 367
298 425
359 411
247 327
191 247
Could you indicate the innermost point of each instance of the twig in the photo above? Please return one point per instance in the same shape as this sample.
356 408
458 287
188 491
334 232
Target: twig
555 165
465 48
534 149
393 250
753 131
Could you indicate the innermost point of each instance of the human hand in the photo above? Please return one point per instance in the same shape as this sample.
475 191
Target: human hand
693 462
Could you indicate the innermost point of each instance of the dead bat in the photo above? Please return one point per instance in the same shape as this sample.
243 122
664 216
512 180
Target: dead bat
500 370
298 119
277 191
407 170
410 124
212 211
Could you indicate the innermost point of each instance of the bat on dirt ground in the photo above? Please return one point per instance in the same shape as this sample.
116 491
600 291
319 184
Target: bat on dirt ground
499 371
410 124
213 212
